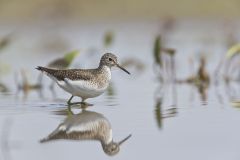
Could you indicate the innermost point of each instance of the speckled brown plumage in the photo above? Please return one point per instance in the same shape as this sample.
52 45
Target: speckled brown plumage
72 74
94 76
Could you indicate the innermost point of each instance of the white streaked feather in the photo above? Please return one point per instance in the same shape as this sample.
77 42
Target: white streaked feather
81 88
86 121
62 127
93 125
110 138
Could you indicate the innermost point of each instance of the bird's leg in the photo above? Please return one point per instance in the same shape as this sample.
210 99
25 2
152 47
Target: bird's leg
69 101
83 100
82 103
70 110
85 103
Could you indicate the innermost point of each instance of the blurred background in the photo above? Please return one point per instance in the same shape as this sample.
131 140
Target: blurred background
182 99
79 10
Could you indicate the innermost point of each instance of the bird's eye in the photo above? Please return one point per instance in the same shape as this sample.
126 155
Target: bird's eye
110 59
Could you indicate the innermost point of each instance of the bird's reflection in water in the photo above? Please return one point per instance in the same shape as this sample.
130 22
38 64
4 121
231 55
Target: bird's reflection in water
87 125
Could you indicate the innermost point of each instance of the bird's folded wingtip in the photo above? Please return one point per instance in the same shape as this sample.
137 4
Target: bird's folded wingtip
39 68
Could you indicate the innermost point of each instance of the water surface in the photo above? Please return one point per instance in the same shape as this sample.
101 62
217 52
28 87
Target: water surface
166 121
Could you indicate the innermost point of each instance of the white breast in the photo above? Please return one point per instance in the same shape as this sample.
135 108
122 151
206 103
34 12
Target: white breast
107 71
81 88
85 89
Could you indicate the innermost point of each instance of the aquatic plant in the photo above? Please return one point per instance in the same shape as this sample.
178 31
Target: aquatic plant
233 51
157 51
5 41
108 38
64 62
227 62
164 60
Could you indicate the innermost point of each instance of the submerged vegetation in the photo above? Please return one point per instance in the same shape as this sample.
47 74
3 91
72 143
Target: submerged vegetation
164 60
201 79
25 86
157 51
201 76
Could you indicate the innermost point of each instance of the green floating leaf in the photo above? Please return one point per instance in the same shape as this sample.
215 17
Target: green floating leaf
157 51
235 104
234 50
64 62
108 38
69 57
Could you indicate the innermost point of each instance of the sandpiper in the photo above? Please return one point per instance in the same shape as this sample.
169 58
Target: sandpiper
87 125
85 83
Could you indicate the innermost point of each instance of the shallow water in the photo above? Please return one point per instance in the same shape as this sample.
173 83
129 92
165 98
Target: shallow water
166 121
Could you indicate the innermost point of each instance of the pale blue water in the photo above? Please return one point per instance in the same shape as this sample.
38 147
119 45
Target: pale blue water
190 130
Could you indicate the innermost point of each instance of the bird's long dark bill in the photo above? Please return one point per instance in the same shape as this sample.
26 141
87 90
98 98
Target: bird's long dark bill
123 69
122 141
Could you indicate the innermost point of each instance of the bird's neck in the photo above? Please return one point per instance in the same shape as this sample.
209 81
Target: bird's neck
106 70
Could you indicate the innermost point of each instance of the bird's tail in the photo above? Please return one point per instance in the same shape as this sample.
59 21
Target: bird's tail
43 69
49 72
51 136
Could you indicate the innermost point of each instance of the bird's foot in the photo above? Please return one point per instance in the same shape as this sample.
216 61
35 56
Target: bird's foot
83 104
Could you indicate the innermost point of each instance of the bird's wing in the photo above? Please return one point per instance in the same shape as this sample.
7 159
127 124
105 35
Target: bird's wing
81 126
72 74
84 122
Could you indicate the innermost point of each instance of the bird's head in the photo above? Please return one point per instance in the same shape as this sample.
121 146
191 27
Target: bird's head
110 60
113 148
